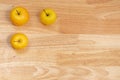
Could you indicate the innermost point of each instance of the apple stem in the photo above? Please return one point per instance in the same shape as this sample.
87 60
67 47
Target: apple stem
15 41
46 12
18 12
18 41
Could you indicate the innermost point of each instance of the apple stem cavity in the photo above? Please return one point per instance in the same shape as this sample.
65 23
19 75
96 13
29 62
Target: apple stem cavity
46 12
18 12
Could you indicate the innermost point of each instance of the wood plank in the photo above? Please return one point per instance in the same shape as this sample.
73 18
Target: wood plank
40 72
74 16
62 57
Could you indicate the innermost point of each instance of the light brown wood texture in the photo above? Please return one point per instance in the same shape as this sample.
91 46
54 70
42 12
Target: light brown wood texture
53 55
62 57
74 16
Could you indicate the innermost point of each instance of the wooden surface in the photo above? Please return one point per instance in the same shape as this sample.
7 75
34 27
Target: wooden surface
74 16
52 55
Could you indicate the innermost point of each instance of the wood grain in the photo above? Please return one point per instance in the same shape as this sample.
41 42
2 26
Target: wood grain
62 57
74 16
53 55
59 73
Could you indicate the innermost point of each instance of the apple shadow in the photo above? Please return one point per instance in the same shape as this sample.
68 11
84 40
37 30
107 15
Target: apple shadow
7 14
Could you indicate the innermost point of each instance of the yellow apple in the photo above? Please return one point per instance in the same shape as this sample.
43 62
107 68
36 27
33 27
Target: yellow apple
48 16
19 41
19 16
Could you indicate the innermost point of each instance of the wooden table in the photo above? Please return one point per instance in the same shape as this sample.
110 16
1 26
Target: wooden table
83 44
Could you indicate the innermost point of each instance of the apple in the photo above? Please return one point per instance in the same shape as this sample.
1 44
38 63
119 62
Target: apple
19 16
48 16
19 41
